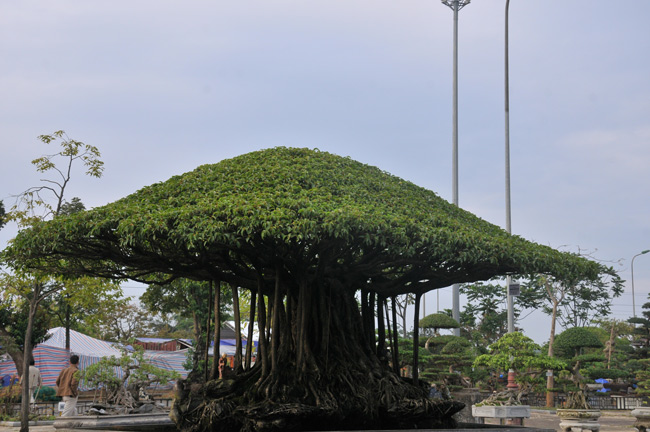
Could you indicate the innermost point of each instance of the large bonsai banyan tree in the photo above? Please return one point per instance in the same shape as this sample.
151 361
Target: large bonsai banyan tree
323 242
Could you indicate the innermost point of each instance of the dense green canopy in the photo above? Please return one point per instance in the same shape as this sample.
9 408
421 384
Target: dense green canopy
300 208
438 321
571 340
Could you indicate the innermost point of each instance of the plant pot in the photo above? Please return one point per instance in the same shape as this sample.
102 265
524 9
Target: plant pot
579 420
513 413
642 415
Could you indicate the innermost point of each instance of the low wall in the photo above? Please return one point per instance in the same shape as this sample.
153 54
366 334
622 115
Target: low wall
52 408
469 397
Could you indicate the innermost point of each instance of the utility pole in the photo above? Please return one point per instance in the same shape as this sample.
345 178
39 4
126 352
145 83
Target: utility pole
511 313
455 6
632 270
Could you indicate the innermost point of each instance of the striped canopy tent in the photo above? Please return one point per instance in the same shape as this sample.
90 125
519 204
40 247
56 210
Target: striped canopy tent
229 347
51 357
169 360
49 360
91 350
81 344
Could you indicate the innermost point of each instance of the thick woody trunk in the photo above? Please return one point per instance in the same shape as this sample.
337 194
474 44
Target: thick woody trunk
251 327
309 374
214 372
261 325
381 329
395 339
67 323
198 354
27 354
416 339
207 339
275 335
237 317
612 335
550 379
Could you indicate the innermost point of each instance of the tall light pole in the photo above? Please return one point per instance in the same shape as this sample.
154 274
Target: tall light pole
455 5
632 270
510 300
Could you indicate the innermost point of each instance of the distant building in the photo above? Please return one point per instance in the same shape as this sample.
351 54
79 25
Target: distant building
228 337
161 344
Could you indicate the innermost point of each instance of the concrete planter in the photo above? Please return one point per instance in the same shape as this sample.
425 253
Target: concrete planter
132 422
579 420
507 414
507 411
642 415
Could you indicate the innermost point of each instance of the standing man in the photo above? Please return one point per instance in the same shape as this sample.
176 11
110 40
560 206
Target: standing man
66 386
35 380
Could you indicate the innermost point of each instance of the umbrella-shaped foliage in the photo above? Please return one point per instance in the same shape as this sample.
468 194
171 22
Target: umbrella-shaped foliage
571 342
238 216
304 230
438 321
434 322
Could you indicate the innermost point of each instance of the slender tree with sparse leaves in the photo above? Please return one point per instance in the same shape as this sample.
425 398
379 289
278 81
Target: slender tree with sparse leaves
34 206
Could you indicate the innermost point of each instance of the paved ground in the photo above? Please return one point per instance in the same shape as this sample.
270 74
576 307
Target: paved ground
610 421
31 428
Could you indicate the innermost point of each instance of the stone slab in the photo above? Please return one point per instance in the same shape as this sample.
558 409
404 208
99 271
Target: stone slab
162 423
132 422
495 411
466 427
31 423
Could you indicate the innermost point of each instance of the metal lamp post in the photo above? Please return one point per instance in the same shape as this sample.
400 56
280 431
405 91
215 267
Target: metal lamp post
455 5
632 271
510 300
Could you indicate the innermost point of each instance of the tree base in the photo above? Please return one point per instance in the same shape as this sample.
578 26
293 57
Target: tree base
231 406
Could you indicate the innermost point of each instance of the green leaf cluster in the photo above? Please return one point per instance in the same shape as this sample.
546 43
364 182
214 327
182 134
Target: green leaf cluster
517 352
310 210
438 321
3 215
137 373
571 342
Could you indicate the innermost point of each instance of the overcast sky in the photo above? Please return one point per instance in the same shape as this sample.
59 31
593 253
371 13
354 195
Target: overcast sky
161 87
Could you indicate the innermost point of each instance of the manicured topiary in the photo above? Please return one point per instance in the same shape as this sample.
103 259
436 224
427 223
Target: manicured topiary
571 341
571 345
438 321
47 394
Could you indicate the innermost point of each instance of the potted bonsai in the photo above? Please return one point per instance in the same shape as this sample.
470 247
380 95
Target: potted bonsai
572 345
431 325
642 339
449 354
513 353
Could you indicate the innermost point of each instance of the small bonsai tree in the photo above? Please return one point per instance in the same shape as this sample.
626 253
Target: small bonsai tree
519 353
137 375
434 322
450 357
572 345
640 356
643 380
405 357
